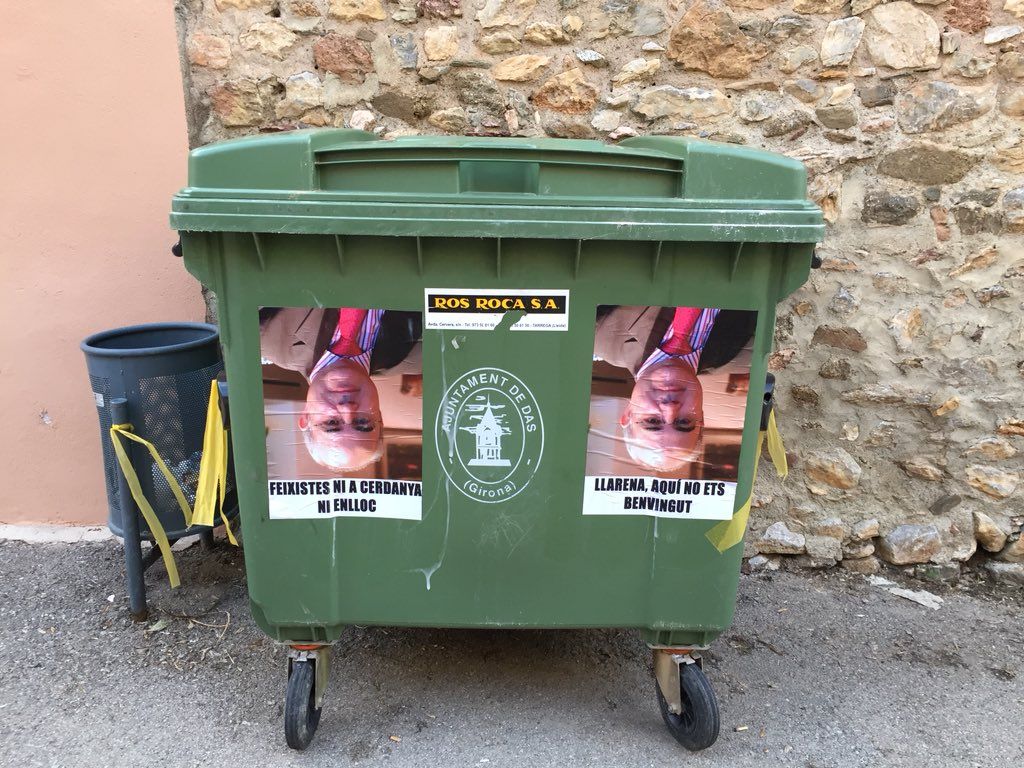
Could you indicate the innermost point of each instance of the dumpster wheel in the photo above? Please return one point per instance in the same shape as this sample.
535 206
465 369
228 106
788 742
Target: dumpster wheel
696 726
301 713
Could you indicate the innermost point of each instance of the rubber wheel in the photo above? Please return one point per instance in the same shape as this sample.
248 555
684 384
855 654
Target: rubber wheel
697 727
301 716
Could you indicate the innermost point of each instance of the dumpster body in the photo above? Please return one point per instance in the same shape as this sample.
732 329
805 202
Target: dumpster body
510 262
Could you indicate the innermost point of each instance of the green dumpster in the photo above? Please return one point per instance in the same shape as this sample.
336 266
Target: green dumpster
486 382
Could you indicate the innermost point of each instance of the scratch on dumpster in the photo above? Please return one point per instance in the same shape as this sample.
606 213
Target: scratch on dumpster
654 549
505 532
449 433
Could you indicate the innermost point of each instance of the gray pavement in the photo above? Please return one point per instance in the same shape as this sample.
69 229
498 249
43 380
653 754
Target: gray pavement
819 671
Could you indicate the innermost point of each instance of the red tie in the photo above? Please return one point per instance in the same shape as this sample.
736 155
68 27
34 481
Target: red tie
682 326
349 323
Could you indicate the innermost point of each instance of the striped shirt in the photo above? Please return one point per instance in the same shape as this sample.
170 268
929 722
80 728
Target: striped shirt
698 338
366 339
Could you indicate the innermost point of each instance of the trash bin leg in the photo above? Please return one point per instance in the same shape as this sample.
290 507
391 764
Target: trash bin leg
206 539
134 567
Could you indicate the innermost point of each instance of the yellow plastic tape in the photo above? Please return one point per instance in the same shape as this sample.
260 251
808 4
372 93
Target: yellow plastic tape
117 431
729 533
212 485
775 447
213 468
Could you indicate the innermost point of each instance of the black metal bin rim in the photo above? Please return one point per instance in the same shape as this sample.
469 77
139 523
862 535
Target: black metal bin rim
144 340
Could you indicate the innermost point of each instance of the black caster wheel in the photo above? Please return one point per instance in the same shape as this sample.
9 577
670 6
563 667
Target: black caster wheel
301 715
697 726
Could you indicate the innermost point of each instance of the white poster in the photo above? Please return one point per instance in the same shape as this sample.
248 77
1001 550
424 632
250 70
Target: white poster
656 497
343 407
669 388
397 499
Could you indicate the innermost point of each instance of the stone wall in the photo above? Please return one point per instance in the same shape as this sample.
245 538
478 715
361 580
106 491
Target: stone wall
901 361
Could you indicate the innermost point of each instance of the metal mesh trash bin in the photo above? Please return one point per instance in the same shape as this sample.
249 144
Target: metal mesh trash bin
156 378
163 370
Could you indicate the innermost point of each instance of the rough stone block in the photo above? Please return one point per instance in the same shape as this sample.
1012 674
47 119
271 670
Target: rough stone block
910 544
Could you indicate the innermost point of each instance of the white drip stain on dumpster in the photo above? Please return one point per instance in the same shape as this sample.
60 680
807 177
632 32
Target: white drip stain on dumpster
429 571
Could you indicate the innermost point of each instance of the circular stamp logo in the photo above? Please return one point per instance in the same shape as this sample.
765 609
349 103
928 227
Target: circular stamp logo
489 434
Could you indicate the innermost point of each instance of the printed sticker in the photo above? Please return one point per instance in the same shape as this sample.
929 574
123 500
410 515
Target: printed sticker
343 401
668 398
489 435
478 310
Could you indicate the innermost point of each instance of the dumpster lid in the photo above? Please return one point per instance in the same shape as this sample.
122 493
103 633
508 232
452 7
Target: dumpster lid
334 181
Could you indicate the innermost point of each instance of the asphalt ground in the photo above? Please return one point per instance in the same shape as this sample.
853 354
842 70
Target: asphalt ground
818 671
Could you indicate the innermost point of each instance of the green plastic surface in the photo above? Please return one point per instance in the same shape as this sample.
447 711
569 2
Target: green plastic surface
350 182
338 218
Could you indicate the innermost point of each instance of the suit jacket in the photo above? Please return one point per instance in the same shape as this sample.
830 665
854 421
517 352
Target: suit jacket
626 336
297 337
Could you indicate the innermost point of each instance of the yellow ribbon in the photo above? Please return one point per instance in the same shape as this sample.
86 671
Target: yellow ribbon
213 472
117 431
729 533
776 449
213 468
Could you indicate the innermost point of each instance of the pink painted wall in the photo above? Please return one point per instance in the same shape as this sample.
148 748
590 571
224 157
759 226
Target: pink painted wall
92 146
